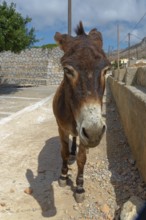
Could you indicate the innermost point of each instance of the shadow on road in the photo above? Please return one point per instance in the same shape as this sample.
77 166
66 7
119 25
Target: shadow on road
8 89
49 165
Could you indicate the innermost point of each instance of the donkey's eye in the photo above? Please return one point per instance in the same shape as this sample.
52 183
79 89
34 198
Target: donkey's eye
68 72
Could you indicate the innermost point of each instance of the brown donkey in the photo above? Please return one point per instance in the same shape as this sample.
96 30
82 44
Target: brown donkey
78 100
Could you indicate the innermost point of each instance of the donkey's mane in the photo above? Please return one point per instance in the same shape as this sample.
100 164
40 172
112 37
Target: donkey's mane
80 29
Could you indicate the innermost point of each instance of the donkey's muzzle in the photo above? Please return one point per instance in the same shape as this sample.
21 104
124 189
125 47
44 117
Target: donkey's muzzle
91 135
91 126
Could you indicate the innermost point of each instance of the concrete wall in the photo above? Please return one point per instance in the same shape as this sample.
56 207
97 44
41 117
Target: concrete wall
129 90
31 67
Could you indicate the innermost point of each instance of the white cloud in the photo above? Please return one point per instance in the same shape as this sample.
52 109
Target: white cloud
44 13
52 14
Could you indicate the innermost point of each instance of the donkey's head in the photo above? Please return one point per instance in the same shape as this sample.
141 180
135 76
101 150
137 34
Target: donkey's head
85 65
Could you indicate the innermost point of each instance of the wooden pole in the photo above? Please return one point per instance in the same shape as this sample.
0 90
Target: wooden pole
69 17
109 52
118 45
129 48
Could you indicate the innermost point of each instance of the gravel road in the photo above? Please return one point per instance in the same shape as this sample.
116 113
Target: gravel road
30 166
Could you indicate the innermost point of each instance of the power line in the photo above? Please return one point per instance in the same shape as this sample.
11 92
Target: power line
134 27
124 38
130 33
139 21
136 36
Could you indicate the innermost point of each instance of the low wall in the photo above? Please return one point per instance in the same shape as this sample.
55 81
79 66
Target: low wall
31 67
129 90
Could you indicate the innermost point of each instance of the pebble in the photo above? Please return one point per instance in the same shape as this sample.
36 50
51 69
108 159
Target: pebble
12 190
105 208
131 208
140 189
2 204
131 161
28 190
66 211
75 207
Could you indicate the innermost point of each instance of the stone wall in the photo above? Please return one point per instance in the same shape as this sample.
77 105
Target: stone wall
54 68
129 90
31 67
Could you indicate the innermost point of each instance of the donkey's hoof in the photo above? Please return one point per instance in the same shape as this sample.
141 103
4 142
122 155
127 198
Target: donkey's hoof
62 181
72 159
80 196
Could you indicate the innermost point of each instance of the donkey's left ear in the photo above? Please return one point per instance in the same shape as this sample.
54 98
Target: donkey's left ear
63 40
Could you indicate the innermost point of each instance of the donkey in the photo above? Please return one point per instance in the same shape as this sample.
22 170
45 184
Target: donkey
77 103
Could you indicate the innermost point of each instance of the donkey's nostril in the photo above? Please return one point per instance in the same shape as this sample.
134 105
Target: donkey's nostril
85 133
103 129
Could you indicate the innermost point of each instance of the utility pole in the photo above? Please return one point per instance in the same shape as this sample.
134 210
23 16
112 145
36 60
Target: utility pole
136 52
109 52
118 45
69 17
129 48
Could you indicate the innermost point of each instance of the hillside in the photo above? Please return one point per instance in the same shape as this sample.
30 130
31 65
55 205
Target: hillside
137 51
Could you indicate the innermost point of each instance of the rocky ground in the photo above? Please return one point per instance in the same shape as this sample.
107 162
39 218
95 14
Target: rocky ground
111 175
30 167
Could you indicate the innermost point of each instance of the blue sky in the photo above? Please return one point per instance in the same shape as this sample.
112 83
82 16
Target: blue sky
49 16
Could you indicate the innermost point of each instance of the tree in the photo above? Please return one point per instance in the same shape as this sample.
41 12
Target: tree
14 32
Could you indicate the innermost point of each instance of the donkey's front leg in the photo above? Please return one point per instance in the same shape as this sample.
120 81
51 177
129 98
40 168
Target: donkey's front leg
81 160
65 156
72 156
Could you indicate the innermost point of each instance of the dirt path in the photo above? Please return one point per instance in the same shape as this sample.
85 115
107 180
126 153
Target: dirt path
30 157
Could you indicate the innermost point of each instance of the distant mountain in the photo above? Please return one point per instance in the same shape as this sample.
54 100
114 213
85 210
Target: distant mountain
137 51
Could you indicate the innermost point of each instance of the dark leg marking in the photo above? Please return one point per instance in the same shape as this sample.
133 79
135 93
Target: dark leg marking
74 146
65 156
72 156
81 160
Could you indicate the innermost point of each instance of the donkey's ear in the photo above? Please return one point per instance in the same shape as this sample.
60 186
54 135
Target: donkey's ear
96 36
63 40
58 39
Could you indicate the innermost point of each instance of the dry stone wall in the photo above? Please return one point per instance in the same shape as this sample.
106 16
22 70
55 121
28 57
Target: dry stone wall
54 68
31 67
129 91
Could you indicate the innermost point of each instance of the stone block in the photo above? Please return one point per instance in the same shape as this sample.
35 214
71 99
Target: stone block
141 76
130 76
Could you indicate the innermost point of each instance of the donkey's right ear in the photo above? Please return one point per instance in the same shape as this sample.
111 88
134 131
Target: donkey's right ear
63 40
